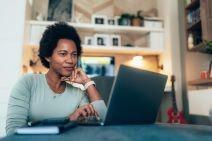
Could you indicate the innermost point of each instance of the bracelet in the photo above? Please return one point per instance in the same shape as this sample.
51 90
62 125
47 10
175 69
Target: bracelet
89 83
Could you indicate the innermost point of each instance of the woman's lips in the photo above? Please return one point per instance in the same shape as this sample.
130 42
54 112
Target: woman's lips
69 68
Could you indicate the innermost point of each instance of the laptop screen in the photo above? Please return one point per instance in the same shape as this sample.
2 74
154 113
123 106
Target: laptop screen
135 96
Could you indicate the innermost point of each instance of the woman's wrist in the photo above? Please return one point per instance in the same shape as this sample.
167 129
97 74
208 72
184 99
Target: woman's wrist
86 81
88 84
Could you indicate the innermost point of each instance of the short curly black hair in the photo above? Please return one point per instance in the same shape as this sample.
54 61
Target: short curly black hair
52 35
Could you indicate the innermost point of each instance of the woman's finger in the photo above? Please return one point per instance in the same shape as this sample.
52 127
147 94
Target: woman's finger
88 112
92 110
94 113
72 75
76 72
80 118
83 112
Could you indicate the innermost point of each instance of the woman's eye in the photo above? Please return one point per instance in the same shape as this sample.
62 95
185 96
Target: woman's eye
62 54
74 54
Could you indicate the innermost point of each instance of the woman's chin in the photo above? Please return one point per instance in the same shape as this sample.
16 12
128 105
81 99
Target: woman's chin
66 74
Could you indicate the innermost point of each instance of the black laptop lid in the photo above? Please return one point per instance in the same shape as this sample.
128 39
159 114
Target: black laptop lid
135 96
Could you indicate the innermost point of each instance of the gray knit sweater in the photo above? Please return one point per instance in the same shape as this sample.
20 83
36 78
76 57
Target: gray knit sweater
31 99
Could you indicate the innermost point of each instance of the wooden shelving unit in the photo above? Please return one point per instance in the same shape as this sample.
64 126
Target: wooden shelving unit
193 23
198 15
198 23
201 82
39 26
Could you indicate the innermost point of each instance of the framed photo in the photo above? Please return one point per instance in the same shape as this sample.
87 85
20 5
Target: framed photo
210 70
115 40
89 40
111 21
99 19
102 39
60 10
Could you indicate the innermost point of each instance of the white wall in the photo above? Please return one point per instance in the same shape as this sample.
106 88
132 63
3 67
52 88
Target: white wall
12 19
171 59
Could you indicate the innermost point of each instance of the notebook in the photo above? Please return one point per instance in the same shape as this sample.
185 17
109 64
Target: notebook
47 126
135 97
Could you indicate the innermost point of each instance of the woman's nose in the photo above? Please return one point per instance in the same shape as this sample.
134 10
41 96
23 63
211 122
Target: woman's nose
69 59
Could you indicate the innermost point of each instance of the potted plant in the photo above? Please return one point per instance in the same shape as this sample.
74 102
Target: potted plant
137 20
124 19
207 46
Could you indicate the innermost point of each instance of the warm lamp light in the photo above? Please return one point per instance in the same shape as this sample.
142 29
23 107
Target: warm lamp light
137 61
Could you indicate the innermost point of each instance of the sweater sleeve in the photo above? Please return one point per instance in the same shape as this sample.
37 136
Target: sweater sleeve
100 107
18 105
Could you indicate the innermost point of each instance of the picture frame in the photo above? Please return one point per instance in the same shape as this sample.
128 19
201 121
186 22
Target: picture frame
89 40
111 21
99 19
102 39
60 10
210 70
115 40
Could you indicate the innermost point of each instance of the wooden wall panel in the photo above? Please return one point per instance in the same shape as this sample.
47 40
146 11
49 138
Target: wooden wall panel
111 8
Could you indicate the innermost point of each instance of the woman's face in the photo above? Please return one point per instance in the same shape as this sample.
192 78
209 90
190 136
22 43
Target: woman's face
64 57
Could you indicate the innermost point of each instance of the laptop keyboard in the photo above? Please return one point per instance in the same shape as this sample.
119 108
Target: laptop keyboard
91 120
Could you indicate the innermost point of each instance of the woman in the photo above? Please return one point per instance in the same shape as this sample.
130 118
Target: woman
40 96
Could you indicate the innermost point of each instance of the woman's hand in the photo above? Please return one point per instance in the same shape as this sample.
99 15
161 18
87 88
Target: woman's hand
80 77
77 76
83 112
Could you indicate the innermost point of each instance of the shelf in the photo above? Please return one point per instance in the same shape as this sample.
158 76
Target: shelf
196 25
104 28
121 50
201 82
198 47
37 27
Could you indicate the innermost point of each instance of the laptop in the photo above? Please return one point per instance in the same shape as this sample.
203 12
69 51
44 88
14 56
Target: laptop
135 97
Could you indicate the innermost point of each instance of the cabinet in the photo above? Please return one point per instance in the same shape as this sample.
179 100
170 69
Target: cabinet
198 15
200 96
